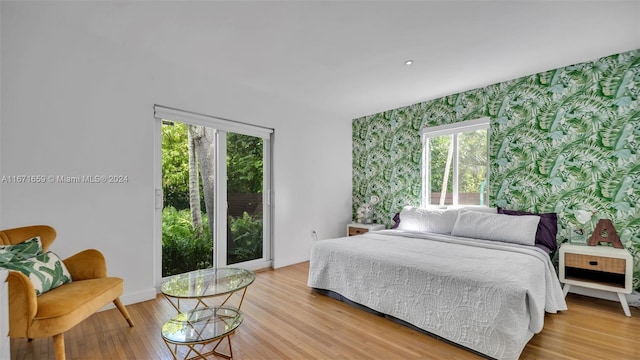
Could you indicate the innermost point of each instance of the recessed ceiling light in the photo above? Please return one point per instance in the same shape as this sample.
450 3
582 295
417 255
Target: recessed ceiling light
408 62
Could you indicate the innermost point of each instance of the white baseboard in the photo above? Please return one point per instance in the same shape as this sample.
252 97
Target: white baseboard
140 296
633 299
132 298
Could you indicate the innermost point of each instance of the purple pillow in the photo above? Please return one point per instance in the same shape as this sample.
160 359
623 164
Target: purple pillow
396 220
547 227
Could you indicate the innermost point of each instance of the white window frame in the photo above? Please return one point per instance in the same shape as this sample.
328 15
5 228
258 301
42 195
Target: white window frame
223 126
454 129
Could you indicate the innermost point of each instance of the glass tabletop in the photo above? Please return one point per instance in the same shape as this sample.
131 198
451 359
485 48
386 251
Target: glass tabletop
201 325
207 282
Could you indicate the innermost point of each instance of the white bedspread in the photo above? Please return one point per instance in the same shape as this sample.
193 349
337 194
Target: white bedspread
488 296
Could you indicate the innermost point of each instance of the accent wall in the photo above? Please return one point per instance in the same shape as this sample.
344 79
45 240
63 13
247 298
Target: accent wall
564 141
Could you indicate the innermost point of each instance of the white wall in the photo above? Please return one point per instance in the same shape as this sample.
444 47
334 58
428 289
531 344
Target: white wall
0 113
75 104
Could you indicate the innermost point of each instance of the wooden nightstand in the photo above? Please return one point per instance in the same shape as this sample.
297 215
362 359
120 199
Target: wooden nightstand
359 229
597 267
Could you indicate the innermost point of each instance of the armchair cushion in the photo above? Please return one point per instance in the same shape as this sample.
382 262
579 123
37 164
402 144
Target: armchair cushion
21 251
64 307
46 271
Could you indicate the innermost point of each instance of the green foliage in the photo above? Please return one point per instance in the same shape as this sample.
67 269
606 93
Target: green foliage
244 163
247 238
472 160
439 149
175 165
182 251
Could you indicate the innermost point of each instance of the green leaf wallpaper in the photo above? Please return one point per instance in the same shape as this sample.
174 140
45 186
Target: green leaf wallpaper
564 141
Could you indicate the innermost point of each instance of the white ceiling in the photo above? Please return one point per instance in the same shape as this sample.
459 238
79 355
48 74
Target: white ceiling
348 57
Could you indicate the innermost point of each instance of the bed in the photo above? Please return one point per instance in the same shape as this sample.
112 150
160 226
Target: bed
489 296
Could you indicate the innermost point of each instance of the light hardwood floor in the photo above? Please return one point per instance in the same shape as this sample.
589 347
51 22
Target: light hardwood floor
284 319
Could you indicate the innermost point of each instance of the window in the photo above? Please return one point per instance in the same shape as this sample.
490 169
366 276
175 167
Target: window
455 163
213 197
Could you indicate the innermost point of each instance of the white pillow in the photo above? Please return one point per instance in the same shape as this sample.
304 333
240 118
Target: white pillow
439 221
499 227
478 208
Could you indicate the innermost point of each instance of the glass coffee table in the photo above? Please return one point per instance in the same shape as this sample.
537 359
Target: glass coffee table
204 324
207 283
199 328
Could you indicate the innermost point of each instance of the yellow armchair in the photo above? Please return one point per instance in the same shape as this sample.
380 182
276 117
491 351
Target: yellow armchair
60 309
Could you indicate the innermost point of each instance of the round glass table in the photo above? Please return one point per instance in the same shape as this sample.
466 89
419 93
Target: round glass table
206 283
204 324
199 328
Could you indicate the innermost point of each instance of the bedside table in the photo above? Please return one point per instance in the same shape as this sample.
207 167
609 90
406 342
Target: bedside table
597 267
359 229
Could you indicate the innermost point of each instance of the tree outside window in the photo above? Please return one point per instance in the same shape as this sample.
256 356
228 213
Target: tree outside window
455 164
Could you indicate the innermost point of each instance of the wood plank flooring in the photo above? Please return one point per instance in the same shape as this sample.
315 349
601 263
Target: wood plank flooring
284 319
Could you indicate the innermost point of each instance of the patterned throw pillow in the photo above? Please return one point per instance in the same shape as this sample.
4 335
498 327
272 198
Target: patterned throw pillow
46 271
22 251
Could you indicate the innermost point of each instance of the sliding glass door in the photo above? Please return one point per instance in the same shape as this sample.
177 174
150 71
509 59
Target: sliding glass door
245 207
215 208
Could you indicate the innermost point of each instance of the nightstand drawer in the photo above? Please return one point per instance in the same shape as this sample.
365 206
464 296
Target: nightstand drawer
592 262
357 231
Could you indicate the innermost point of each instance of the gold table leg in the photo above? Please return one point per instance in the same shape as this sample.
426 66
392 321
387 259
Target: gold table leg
173 348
